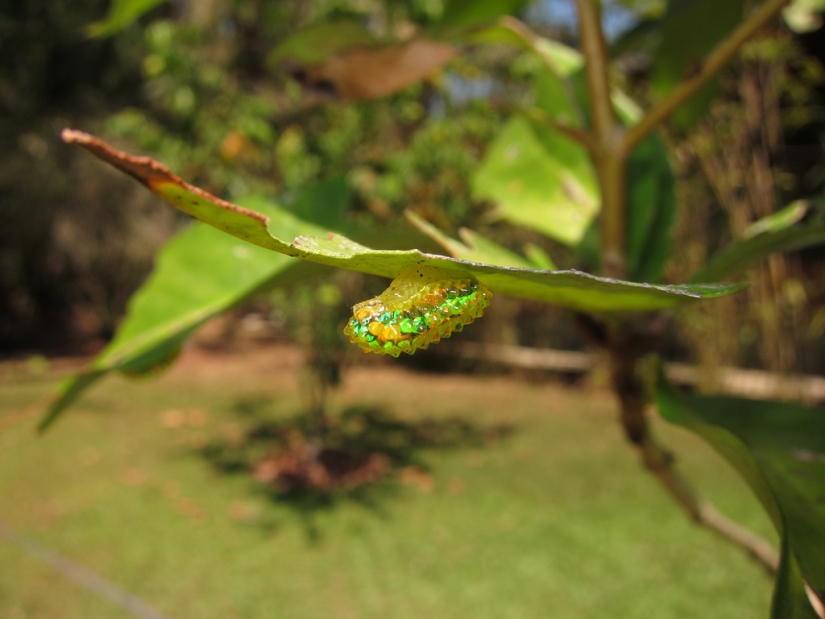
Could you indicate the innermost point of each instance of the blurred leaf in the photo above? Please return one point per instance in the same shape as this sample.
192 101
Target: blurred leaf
804 15
560 58
740 255
199 274
628 111
651 201
539 257
555 97
121 14
690 29
469 13
563 61
790 599
357 65
645 36
568 288
781 219
475 247
323 204
779 449
320 41
539 179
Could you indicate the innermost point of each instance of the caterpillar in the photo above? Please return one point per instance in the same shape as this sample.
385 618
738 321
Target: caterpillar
421 306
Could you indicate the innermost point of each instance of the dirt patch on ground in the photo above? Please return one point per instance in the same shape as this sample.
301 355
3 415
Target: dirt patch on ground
322 469
380 420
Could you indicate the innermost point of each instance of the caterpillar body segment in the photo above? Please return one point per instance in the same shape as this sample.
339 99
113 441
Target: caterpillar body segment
421 306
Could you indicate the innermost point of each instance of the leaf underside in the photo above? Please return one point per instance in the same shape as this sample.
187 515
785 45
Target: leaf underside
572 289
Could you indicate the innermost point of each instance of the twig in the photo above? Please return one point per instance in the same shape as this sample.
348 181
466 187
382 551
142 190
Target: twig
660 463
754 545
712 64
540 116
813 598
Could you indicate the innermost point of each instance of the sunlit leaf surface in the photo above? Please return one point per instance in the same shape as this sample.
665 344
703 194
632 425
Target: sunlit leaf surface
540 179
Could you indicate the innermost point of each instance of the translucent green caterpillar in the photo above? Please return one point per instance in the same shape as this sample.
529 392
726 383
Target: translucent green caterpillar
421 306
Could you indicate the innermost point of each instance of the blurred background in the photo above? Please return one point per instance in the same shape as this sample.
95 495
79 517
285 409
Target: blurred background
212 89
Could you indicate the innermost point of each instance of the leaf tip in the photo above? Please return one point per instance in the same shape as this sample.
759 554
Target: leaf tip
72 136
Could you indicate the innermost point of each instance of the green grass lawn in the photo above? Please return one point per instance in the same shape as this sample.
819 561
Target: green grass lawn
556 519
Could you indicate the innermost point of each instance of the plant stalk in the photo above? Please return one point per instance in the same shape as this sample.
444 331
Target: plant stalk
606 140
610 146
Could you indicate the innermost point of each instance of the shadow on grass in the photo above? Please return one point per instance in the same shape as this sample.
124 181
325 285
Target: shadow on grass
363 455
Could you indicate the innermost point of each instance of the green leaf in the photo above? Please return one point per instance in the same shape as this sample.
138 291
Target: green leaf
779 449
563 61
475 247
469 13
781 219
323 204
568 288
199 274
320 41
690 29
644 37
555 97
790 600
540 179
651 201
559 58
539 258
121 14
628 111
738 256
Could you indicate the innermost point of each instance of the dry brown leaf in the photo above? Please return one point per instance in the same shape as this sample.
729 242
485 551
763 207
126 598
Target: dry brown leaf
371 73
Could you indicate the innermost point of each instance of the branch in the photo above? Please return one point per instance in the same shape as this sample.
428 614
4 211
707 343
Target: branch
712 64
660 463
631 392
746 539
